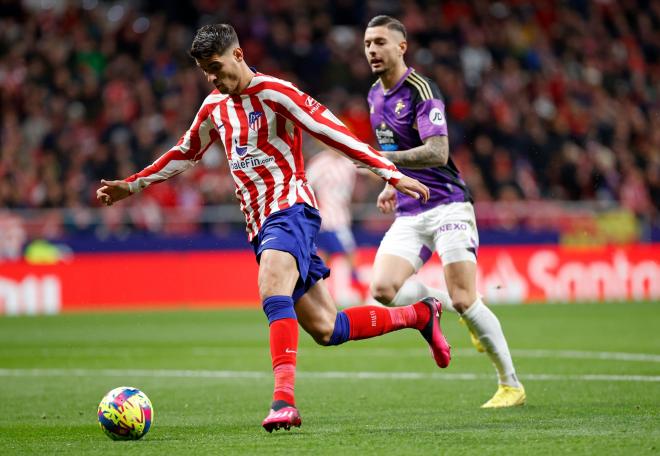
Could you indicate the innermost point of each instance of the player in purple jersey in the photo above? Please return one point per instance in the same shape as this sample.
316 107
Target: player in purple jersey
407 115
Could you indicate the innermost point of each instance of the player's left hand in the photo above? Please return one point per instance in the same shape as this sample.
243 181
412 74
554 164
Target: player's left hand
112 191
412 187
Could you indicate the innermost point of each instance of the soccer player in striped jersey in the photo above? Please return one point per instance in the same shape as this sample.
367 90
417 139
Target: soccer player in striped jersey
259 120
333 178
407 115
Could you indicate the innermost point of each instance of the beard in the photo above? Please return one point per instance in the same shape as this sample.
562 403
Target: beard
381 71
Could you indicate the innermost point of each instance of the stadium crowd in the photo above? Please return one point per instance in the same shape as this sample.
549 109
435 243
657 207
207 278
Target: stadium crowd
545 99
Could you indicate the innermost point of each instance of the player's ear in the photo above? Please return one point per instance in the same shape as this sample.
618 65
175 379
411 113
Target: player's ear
238 54
403 47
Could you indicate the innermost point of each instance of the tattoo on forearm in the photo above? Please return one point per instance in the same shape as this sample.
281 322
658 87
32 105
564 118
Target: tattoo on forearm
434 152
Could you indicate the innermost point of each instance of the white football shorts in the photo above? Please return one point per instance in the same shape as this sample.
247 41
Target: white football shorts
449 229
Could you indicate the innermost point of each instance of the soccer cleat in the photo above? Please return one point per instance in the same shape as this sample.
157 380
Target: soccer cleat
475 340
507 396
432 332
282 418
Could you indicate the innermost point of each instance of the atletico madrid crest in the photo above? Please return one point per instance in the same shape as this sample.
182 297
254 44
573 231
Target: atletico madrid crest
254 120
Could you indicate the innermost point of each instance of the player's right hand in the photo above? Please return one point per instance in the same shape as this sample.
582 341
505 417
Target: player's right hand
413 187
112 191
386 202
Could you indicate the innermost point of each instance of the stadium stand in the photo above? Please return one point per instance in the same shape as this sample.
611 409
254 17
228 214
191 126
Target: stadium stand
547 101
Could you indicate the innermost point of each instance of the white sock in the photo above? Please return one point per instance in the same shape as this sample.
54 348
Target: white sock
485 325
413 291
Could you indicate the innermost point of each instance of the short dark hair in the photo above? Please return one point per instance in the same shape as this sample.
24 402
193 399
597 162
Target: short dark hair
389 22
212 39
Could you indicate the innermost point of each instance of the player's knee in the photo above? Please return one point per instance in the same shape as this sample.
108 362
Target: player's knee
383 292
460 299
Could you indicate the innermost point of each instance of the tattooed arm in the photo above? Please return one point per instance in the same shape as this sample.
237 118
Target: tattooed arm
434 152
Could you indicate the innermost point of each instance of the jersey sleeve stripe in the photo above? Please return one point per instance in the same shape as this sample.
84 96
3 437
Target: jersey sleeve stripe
290 100
338 137
421 85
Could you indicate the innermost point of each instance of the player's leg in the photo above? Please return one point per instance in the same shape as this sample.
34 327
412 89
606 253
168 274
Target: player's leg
456 243
318 316
406 246
461 281
401 253
278 274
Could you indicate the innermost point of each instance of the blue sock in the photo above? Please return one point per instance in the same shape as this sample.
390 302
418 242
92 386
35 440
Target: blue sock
278 308
342 330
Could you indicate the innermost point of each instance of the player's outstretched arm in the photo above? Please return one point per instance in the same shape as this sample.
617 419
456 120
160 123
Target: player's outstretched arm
184 155
434 152
112 191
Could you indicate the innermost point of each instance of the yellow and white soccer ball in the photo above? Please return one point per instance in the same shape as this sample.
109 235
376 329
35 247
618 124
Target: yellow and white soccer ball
125 413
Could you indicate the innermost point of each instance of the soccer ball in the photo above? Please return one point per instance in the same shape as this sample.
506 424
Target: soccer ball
125 413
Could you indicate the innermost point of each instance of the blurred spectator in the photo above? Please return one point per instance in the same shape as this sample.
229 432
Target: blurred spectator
546 100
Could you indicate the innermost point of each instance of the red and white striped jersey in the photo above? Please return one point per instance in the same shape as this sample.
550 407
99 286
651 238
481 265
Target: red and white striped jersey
261 130
333 178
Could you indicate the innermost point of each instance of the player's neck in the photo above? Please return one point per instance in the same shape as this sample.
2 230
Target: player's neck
390 78
246 77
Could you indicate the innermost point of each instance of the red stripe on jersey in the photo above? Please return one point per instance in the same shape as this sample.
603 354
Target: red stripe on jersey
300 161
282 133
267 177
268 148
254 195
310 195
195 143
242 119
214 135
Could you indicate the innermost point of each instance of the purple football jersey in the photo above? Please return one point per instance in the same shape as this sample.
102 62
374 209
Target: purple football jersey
402 119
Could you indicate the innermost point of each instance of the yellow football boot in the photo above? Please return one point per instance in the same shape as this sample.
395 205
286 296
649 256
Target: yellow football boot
475 341
507 396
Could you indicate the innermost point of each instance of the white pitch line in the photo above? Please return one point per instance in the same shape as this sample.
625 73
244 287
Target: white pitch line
576 354
367 351
259 375
470 352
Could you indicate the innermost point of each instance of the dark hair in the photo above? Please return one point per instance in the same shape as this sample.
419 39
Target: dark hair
389 22
213 39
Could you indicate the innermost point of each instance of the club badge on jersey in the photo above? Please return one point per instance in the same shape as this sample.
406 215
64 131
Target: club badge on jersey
254 120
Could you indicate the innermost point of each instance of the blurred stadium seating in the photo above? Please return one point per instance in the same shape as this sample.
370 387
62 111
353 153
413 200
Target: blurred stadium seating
555 100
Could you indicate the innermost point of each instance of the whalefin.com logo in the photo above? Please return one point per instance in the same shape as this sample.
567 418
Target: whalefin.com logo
250 162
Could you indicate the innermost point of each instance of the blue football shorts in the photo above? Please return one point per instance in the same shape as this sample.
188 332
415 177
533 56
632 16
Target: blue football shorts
293 230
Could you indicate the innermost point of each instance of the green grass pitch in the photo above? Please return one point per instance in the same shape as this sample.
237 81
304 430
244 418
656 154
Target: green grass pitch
592 374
